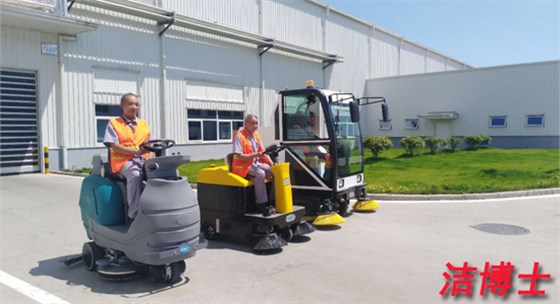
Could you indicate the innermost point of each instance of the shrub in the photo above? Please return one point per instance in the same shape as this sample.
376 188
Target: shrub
478 140
433 143
377 144
412 144
453 142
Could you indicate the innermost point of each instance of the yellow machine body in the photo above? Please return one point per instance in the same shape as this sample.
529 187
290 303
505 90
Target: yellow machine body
282 188
366 205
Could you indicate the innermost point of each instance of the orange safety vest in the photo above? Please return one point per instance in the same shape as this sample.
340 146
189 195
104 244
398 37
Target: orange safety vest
240 167
128 139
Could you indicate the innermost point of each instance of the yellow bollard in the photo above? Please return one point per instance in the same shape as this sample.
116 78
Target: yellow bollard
46 154
282 188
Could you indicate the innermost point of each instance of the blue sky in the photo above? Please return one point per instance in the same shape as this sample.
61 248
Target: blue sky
479 33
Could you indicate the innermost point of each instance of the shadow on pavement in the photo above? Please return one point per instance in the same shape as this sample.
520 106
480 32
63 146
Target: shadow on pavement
77 275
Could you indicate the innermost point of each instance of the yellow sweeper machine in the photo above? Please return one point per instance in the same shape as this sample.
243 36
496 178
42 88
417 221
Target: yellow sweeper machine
323 143
228 209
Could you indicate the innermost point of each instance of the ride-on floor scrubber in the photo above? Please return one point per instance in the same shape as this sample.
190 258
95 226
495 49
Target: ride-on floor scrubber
228 209
164 233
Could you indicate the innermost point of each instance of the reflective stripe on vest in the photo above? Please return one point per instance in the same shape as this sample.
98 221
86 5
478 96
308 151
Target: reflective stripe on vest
128 139
238 166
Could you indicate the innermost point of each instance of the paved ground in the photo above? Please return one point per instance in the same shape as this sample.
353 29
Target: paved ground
396 255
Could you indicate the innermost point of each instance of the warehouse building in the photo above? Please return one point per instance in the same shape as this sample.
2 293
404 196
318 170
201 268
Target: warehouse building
198 67
517 105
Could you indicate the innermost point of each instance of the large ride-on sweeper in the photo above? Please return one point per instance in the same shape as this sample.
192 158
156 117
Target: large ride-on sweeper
321 132
164 233
228 209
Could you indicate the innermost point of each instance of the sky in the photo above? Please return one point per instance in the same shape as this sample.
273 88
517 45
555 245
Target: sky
478 33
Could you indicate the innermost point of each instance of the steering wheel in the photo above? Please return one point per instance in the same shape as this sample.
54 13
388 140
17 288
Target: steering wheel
274 150
158 145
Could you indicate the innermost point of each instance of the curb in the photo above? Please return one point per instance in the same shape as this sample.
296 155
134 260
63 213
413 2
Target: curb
420 197
470 196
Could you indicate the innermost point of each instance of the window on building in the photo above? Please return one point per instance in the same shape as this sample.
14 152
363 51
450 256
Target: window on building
411 124
535 120
212 125
385 125
498 121
104 113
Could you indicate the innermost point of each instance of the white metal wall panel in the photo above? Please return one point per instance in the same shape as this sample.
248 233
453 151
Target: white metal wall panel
348 39
282 72
102 65
21 50
385 53
240 14
297 22
435 63
218 66
514 91
412 59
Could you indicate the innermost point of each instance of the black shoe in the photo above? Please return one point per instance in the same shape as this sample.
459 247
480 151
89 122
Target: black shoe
265 210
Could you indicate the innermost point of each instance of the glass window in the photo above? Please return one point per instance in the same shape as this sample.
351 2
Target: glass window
101 125
237 125
498 121
108 110
225 129
535 120
411 124
195 130
209 130
201 114
104 113
210 125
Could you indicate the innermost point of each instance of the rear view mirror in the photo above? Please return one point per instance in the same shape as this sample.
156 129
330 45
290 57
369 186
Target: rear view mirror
354 111
385 112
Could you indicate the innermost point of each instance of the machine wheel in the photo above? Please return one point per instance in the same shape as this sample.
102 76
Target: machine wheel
170 273
91 252
287 234
209 232
342 209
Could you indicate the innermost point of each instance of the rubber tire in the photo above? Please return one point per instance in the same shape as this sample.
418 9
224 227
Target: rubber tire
209 232
91 252
343 209
287 234
177 269
159 276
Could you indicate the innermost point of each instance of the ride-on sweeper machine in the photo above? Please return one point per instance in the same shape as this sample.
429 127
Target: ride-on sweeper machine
164 233
228 209
321 132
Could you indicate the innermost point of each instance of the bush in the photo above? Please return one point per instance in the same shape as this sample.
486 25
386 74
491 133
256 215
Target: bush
433 143
412 144
377 144
478 140
453 142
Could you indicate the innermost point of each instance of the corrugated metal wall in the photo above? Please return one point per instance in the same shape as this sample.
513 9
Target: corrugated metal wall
240 14
300 23
21 50
202 60
348 39
514 91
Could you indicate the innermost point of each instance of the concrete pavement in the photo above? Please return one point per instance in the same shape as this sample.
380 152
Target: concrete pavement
395 255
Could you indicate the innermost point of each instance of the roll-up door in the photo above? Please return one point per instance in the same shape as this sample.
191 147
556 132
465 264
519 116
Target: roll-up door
19 137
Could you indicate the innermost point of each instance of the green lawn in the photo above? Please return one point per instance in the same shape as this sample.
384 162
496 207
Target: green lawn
463 171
